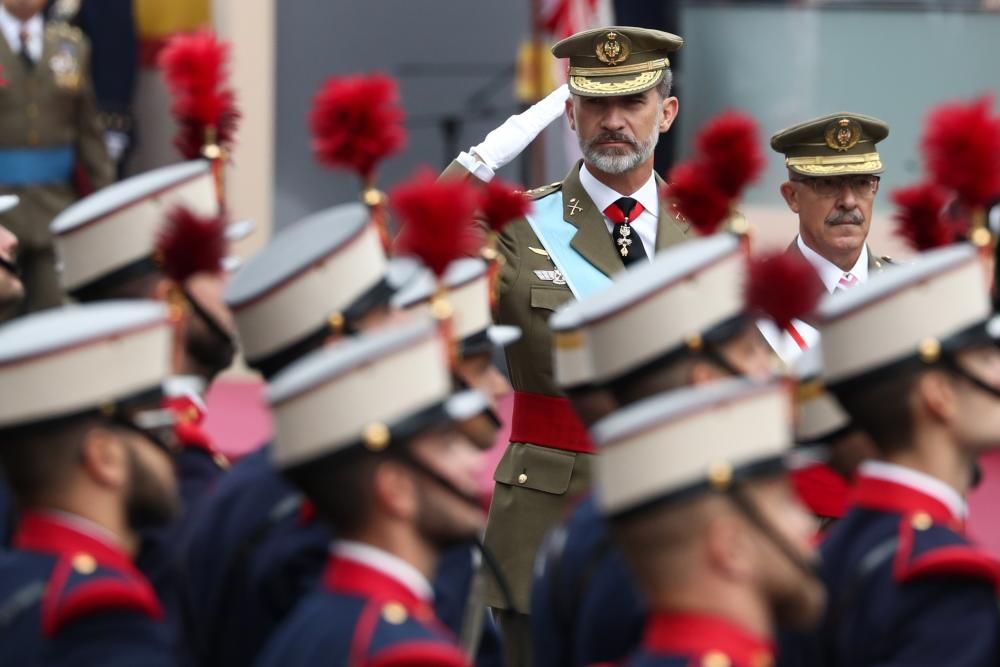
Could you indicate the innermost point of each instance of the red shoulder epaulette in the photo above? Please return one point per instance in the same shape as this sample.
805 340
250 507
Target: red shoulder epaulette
80 587
929 549
420 654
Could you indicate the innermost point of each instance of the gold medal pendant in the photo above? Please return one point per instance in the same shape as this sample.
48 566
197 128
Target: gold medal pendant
624 241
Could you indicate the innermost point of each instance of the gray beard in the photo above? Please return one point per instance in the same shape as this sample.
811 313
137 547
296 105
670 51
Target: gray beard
619 160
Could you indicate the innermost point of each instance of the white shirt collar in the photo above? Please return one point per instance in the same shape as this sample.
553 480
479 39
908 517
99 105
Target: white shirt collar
11 28
188 386
386 563
603 196
920 481
829 272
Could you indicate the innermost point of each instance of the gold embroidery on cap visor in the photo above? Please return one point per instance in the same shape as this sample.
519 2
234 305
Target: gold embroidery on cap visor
827 165
614 85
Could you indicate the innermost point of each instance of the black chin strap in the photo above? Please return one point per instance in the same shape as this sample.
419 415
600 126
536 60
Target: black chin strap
211 322
951 363
405 456
743 502
716 356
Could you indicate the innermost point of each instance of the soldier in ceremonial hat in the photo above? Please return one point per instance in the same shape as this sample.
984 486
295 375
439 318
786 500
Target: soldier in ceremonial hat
907 585
53 146
605 215
720 548
388 465
833 177
86 452
623 344
159 236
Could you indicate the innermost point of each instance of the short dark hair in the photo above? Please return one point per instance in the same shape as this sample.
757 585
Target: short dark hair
340 486
39 459
883 408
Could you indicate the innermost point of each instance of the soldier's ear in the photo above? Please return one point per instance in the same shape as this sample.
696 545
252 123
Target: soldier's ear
934 397
670 110
728 546
791 196
104 457
571 112
394 491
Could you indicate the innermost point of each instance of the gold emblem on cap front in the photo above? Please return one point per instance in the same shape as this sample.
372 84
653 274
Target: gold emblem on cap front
613 49
843 135
376 437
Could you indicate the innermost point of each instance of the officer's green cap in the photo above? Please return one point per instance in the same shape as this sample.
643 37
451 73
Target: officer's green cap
841 143
616 60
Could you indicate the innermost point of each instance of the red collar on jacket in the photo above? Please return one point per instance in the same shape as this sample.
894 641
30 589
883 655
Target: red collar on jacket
700 636
53 534
882 495
350 577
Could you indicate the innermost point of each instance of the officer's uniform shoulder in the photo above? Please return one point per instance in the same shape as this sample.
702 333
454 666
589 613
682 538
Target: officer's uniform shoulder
544 190
927 549
402 640
80 587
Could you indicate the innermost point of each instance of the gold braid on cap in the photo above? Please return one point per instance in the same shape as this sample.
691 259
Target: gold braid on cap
635 68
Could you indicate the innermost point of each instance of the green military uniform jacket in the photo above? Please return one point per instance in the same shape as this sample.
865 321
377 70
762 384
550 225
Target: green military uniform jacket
47 105
534 484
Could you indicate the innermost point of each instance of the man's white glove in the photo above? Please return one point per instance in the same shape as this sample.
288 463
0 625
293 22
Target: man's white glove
507 141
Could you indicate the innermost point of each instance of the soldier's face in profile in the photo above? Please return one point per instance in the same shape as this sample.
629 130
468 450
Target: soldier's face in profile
444 518
151 495
797 598
750 354
976 415
618 134
204 346
835 217
478 372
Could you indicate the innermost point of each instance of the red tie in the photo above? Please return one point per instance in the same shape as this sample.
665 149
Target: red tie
617 215
621 213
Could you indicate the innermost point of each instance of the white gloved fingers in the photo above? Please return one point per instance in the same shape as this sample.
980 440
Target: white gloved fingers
506 142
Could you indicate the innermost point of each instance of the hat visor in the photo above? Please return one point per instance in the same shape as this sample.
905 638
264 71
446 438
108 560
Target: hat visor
612 86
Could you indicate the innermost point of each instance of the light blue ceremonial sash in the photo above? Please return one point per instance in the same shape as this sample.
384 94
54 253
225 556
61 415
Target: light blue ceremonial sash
555 235
36 166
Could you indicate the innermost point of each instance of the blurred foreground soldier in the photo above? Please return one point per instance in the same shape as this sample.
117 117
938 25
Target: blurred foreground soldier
605 215
833 177
52 143
387 464
719 545
583 601
11 287
907 586
159 236
86 452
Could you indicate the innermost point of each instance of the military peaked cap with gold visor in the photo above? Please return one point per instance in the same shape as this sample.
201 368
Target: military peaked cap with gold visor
841 143
611 61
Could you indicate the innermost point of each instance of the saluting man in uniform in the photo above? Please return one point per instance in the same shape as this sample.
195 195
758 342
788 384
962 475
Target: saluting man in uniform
51 142
604 216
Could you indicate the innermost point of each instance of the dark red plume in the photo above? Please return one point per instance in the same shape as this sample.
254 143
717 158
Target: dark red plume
962 150
437 220
730 145
357 122
782 286
501 203
921 217
697 197
188 244
195 67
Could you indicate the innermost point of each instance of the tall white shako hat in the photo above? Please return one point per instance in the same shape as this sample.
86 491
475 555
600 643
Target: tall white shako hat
313 280
372 391
687 298
71 361
110 236
468 288
689 441
917 314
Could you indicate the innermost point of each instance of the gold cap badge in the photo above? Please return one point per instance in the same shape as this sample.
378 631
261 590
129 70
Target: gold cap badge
843 134
613 49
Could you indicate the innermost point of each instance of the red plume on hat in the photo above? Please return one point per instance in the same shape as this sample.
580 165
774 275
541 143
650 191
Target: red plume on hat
782 286
195 67
438 224
697 197
921 217
962 150
356 123
706 188
188 244
501 203
730 146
